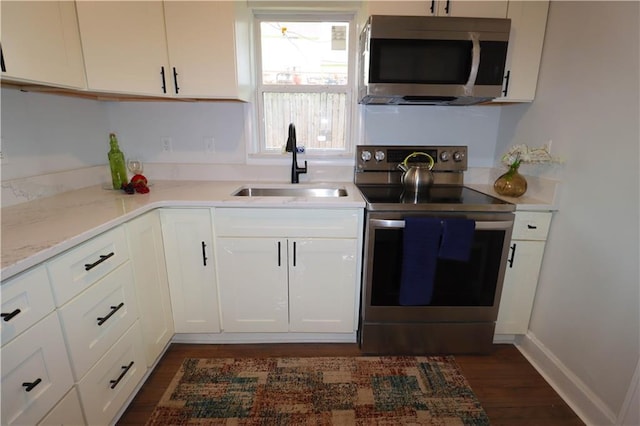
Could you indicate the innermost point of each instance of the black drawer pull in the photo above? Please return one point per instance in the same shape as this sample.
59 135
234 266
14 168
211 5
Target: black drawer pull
29 386
114 309
532 227
115 382
103 257
279 254
7 317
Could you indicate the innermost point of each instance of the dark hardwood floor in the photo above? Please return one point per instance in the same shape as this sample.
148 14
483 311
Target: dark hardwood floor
510 390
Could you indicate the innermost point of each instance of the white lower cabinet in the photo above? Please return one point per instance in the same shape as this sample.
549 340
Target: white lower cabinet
110 382
288 270
35 373
152 287
530 231
188 244
66 412
93 321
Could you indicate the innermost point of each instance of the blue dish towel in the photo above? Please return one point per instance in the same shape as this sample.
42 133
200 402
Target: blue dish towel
420 254
457 238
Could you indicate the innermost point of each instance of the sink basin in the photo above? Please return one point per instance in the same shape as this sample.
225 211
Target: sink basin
290 192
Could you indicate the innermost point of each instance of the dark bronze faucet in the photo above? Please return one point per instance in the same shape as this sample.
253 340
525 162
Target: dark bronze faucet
292 148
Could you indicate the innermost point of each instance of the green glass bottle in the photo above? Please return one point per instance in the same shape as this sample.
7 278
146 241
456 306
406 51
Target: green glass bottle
116 163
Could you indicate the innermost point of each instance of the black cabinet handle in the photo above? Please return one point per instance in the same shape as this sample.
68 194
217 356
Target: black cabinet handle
204 254
294 253
446 7
103 257
115 382
175 80
3 67
7 317
164 83
433 7
532 227
513 253
28 386
279 253
114 309
506 83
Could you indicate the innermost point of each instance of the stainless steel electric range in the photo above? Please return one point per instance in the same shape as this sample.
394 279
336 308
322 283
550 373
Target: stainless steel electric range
416 298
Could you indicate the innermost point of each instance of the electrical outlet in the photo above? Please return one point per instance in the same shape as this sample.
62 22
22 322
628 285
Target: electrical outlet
166 145
209 144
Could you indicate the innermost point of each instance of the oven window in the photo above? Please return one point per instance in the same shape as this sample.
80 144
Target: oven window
471 283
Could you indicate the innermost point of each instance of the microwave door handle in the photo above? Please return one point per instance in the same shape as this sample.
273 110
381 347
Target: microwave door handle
475 64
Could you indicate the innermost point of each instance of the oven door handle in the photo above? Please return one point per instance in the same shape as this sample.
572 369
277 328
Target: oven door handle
480 225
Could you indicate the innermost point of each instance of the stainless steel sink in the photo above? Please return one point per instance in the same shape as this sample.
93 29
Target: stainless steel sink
290 192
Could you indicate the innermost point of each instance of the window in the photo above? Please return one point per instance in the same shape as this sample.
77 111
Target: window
305 74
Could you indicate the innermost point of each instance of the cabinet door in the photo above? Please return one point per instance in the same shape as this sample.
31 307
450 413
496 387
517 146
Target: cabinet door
475 9
461 8
152 286
528 26
35 373
41 43
124 46
322 285
519 288
187 235
253 284
201 43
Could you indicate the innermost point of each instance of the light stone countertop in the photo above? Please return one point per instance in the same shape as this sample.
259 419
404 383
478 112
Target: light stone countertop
35 231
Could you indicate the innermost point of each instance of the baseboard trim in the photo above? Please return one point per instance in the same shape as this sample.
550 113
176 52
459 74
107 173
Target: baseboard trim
586 404
244 338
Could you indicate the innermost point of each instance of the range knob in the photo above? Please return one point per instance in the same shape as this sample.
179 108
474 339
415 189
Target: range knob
379 155
444 156
366 156
458 156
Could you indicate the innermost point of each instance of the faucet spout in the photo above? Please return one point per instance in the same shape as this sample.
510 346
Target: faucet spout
291 147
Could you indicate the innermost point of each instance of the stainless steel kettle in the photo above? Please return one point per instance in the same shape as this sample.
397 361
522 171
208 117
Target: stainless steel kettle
417 177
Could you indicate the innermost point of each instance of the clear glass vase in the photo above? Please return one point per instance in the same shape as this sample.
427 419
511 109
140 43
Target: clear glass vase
511 183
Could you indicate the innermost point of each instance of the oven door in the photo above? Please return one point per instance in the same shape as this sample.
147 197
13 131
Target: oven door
462 291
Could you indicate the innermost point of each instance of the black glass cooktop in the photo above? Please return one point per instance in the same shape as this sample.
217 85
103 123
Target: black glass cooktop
437 197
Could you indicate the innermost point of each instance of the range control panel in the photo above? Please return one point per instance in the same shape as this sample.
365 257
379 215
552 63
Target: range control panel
385 158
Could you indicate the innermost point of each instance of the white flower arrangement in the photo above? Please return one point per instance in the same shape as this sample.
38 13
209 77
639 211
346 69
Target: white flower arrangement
519 154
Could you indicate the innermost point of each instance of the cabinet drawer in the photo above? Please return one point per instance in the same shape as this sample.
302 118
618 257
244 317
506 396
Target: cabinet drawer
95 320
38 357
531 226
26 299
77 269
108 385
66 412
304 223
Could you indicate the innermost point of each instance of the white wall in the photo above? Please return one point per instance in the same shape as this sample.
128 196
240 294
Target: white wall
475 126
586 316
47 133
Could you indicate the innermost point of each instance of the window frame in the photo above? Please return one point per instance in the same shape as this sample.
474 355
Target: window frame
258 150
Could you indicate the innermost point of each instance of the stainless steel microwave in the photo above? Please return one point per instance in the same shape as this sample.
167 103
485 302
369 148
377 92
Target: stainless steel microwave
426 60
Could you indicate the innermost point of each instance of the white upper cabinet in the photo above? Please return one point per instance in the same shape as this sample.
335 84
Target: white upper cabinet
174 48
41 43
124 46
476 9
528 26
202 48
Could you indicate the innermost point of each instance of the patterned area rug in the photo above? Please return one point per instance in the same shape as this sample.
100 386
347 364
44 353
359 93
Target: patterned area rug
320 391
